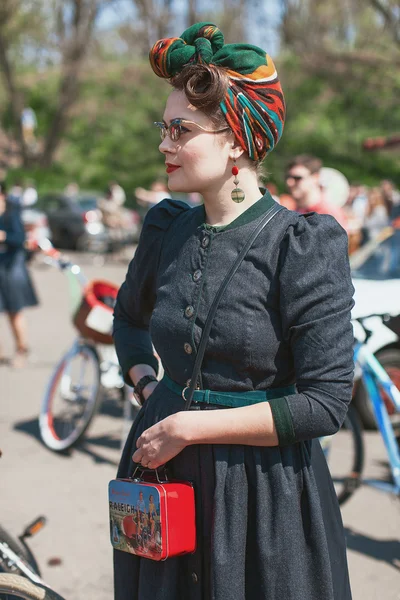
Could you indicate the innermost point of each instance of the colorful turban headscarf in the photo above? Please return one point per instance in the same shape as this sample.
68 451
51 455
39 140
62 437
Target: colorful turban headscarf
254 106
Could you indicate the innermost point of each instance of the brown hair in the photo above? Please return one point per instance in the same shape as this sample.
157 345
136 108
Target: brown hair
312 163
205 87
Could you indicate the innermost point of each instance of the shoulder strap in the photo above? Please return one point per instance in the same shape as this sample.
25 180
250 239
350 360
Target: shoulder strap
213 309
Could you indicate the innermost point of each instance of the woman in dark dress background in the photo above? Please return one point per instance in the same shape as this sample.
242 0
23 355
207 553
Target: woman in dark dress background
267 520
16 289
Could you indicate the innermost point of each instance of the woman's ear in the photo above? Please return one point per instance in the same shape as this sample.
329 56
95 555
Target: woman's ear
236 151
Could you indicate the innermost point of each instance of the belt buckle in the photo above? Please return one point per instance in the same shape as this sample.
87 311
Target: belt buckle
186 388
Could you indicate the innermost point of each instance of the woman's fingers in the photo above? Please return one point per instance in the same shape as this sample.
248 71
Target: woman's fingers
137 456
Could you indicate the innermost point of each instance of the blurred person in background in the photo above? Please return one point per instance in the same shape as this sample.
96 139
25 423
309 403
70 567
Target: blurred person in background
23 196
355 210
357 202
71 189
111 207
303 183
16 289
29 195
148 198
117 193
15 193
377 213
391 197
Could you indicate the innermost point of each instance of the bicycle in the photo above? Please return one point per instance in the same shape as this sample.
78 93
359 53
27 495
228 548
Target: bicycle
88 367
385 398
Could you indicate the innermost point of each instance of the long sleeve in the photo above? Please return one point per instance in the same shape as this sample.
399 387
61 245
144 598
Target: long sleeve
137 295
316 299
14 228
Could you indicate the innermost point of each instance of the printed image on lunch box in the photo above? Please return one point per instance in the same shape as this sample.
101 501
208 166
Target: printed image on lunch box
151 518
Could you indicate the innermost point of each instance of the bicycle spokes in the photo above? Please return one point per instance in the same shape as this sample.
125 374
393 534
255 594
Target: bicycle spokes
72 394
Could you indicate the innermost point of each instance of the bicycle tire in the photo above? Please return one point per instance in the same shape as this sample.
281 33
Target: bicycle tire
13 587
48 433
352 480
19 549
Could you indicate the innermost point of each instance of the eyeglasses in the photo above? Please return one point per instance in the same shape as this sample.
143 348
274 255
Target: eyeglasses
177 127
295 177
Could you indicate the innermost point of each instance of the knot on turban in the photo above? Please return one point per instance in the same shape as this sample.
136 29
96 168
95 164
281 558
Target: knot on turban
254 106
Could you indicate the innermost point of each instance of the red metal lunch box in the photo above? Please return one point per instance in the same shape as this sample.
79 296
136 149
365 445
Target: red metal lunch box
152 518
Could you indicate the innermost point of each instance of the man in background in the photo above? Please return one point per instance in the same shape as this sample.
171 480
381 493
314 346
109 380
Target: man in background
304 185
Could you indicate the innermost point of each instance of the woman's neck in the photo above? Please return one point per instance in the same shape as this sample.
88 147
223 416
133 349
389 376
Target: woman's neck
219 206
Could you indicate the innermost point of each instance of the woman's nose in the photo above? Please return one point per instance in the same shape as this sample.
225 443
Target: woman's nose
167 145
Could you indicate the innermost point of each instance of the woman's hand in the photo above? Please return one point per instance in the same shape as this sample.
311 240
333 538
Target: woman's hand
161 442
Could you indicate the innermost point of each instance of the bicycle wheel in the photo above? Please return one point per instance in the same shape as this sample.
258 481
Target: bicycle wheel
344 453
19 549
71 399
15 587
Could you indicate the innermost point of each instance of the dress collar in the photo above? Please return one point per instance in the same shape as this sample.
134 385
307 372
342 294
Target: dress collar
251 214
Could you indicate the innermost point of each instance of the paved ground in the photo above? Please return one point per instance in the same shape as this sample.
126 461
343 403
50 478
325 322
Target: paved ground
71 490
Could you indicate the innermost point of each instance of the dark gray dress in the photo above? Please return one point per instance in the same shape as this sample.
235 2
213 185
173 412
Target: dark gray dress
268 523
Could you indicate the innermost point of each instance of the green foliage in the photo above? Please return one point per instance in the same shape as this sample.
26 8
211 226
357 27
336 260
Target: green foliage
111 133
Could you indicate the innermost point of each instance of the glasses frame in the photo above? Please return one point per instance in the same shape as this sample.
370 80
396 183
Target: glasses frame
166 129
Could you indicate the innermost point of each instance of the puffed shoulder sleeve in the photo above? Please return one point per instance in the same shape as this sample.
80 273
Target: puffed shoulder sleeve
137 295
316 298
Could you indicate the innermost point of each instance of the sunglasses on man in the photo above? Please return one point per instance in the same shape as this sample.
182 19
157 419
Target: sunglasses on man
296 178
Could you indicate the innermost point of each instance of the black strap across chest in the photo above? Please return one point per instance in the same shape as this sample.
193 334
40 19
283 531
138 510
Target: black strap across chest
189 391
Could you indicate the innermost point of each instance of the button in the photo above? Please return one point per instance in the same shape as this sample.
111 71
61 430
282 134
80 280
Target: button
205 241
197 275
189 311
195 579
188 348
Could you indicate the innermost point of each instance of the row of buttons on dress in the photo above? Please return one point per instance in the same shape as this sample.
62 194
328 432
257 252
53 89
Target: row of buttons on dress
197 275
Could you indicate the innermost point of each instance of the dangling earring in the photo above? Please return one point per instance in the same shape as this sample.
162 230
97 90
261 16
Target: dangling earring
237 194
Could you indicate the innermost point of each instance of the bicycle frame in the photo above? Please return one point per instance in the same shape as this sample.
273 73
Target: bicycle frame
375 378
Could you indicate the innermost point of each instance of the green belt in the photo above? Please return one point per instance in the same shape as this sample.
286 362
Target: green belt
232 399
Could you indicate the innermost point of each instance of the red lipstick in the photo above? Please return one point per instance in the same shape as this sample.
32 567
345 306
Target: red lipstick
171 168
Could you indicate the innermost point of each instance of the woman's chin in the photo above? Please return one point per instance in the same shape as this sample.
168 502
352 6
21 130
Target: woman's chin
178 186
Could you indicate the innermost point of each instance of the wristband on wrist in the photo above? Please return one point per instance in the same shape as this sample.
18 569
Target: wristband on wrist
139 387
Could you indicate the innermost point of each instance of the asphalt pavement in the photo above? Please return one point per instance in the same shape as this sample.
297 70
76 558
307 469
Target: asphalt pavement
71 489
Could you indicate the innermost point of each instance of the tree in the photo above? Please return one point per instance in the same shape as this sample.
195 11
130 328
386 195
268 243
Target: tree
67 30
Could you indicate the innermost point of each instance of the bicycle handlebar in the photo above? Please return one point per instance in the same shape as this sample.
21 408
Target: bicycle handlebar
367 331
56 259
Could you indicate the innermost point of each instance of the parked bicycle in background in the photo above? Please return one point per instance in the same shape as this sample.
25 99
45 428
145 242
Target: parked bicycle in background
345 450
89 368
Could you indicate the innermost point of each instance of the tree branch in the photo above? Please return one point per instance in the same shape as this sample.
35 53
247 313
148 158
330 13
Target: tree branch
391 21
82 24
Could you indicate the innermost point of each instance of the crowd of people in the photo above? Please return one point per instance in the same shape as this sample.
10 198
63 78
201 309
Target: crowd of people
363 211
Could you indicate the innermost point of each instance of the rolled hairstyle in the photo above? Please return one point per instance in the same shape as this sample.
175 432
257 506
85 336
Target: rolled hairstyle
233 83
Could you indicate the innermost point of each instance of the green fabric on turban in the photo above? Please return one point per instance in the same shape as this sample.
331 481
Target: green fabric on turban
254 105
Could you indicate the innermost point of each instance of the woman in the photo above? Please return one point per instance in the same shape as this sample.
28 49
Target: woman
16 290
268 523
377 215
